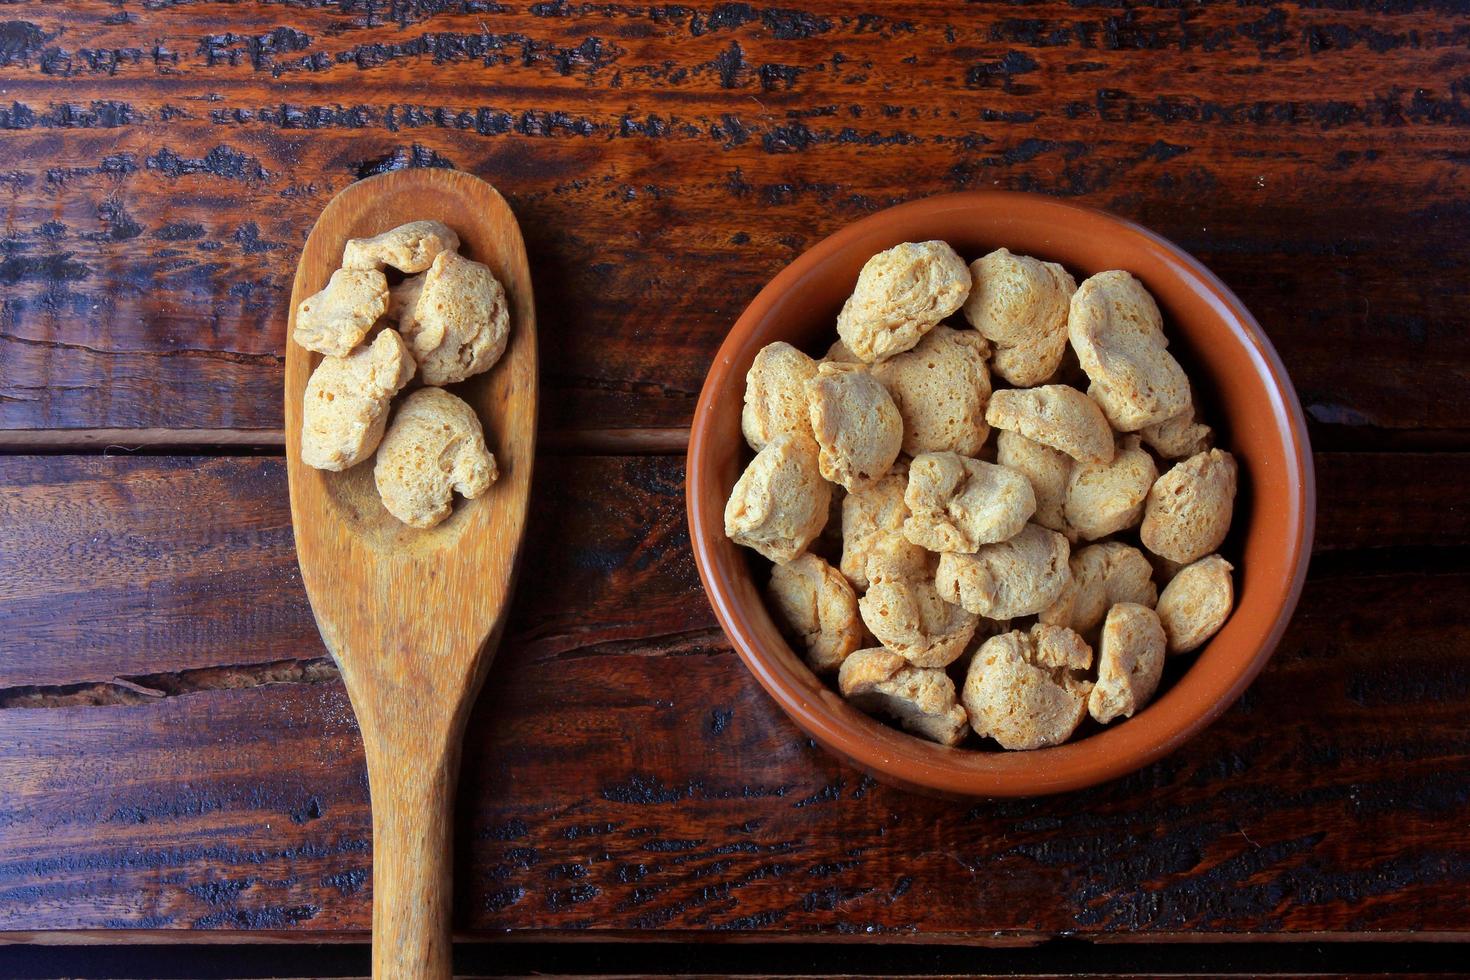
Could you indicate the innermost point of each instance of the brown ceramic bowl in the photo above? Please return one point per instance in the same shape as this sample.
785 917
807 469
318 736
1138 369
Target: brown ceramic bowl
1241 388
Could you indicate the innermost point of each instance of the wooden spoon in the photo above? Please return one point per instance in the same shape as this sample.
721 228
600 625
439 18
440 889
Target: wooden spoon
412 617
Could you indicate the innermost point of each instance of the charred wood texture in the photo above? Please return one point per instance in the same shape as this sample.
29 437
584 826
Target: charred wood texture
162 164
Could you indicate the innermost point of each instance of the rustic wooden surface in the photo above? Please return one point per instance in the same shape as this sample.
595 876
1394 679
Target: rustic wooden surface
177 757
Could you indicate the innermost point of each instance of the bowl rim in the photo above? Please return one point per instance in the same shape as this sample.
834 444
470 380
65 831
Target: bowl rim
936 769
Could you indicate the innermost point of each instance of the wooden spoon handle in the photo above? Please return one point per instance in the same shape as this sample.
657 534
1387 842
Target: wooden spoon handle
413 875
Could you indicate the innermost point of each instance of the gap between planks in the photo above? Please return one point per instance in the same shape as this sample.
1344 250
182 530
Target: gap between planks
672 441
1453 943
561 953
136 689
151 688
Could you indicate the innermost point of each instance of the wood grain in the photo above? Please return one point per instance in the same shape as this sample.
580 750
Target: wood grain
624 776
162 164
1331 801
95 548
412 616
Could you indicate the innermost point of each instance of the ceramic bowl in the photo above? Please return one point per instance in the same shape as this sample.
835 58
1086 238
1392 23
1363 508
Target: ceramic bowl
1240 386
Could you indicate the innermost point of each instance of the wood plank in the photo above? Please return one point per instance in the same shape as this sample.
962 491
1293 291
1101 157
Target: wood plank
667 160
1399 500
650 787
150 568
119 566
173 573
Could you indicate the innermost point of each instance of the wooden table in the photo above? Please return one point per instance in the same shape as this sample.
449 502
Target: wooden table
176 751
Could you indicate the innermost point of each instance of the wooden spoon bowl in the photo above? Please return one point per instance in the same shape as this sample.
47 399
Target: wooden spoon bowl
412 617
